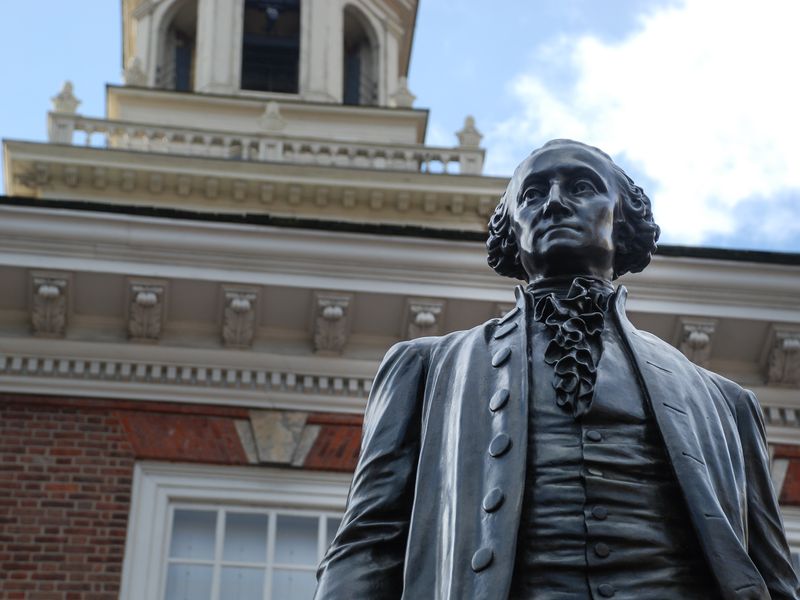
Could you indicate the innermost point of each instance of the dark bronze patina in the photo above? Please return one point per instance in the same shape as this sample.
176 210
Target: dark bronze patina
558 453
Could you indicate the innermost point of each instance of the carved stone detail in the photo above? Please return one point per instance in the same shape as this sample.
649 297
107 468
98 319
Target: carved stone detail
695 339
49 305
65 101
239 317
424 317
402 96
134 73
145 311
331 321
469 136
783 365
271 119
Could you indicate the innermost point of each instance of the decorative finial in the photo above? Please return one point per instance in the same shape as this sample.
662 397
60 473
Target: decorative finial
402 97
65 101
469 136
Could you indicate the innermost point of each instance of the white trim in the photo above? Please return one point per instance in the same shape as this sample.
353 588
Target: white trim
791 523
157 485
138 372
351 262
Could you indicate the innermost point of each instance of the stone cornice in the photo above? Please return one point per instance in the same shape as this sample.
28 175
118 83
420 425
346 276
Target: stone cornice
62 367
351 262
462 202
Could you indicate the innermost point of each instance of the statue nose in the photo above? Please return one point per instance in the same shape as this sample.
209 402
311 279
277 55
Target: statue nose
555 201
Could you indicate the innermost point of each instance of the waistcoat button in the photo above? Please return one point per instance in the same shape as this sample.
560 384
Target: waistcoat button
493 500
482 559
593 436
602 550
500 445
606 590
498 400
599 512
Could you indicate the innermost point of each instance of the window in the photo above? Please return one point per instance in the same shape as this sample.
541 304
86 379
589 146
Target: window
205 532
176 67
241 554
360 69
271 45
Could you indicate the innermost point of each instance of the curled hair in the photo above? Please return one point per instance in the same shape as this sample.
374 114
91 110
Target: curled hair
634 236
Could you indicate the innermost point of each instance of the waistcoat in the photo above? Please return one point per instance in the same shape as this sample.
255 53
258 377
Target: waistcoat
603 516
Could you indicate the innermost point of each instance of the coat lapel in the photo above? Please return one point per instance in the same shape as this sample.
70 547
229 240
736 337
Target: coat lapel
693 437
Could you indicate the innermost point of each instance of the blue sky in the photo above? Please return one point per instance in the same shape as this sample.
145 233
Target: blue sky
696 99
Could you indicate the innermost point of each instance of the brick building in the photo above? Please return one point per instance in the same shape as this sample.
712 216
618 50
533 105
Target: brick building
196 290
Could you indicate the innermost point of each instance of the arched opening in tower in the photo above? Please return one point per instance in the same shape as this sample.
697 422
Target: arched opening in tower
177 64
271 45
360 84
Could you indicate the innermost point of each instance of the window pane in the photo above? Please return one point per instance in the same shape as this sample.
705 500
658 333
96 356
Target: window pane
333 527
293 585
189 582
193 534
245 537
242 584
296 540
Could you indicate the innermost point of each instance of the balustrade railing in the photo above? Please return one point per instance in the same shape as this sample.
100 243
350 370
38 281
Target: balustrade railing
62 129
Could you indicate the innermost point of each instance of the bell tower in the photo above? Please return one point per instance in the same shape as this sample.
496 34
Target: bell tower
352 52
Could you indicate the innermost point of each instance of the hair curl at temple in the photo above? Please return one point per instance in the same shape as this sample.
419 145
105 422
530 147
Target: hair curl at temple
635 232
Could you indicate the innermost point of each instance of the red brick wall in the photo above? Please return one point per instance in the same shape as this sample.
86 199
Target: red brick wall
66 466
65 482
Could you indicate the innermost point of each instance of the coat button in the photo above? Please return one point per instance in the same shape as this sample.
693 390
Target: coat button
493 500
501 356
482 559
500 445
509 315
600 513
606 590
505 330
498 400
593 436
602 550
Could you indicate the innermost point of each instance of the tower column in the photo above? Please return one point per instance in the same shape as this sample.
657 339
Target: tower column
219 46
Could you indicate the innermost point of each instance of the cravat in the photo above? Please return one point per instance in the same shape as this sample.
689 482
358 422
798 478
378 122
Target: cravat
575 322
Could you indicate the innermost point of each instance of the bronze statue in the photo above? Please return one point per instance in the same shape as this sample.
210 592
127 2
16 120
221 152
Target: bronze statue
558 453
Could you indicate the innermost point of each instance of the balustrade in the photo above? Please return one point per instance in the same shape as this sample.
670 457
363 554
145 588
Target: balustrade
122 135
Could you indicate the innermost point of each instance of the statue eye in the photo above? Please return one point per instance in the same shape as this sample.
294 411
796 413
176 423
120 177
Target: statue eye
535 192
583 187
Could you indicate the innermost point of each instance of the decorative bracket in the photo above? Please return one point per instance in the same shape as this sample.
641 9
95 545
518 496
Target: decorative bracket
49 304
695 338
239 317
783 360
331 321
145 310
423 317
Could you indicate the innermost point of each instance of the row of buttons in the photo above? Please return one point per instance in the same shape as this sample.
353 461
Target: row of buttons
501 443
601 549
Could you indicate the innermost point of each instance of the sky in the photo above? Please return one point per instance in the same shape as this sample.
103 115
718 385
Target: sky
696 99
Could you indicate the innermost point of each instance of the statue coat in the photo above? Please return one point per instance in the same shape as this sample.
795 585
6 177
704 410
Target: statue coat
446 423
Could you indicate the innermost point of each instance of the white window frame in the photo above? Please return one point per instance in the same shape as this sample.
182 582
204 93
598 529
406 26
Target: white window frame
791 522
157 487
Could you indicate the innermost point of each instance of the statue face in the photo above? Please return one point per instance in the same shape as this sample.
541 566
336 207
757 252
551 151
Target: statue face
564 213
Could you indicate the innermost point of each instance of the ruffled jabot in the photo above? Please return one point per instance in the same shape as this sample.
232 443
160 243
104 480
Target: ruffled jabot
574 313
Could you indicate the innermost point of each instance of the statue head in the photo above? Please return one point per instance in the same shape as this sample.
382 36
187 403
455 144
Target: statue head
569 210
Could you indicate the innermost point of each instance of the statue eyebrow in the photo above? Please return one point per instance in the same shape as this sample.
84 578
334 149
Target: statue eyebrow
573 172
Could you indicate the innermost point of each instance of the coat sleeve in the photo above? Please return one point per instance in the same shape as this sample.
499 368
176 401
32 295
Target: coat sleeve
767 545
367 555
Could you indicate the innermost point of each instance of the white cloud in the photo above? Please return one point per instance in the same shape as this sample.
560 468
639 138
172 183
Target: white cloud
703 99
